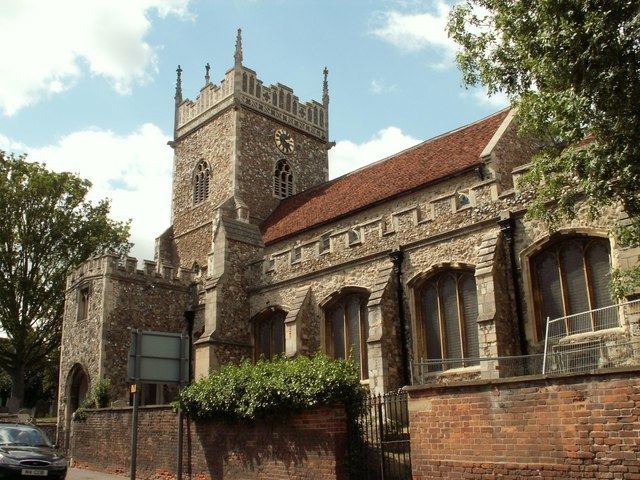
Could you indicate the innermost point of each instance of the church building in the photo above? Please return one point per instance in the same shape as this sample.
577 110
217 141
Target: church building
424 255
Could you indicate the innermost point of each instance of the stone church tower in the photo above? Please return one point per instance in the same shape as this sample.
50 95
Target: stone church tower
229 145
426 258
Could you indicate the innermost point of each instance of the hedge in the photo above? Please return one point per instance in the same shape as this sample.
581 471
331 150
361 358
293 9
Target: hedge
254 390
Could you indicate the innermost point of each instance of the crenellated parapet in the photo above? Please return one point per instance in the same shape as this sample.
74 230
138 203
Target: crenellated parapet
241 85
435 216
127 268
280 102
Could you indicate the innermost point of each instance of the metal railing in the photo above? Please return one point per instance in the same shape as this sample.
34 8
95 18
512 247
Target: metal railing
568 347
573 344
379 444
431 370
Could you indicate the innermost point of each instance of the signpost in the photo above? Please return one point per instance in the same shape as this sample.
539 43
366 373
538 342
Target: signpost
155 357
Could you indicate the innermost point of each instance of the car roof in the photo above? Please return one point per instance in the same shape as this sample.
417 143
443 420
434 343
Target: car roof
18 425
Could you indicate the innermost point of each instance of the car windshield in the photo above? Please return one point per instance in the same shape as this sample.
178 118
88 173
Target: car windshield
22 435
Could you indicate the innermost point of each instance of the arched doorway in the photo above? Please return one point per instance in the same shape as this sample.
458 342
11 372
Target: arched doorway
77 388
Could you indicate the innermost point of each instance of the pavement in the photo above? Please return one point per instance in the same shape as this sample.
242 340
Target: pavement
80 474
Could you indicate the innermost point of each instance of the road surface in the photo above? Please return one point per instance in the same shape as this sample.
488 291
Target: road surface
79 474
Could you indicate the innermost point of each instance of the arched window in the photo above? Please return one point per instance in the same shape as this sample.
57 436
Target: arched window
269 334
282 180
347 329
571 276
448 308
201 182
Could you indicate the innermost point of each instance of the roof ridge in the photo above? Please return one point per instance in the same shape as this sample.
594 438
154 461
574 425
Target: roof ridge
389 157
447 153
417 145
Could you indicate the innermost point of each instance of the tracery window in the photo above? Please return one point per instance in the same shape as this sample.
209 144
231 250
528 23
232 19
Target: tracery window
283 180
569 277
448 308
269 334
347 329
201 182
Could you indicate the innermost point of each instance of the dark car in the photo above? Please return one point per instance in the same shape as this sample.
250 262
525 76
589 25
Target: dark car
26 452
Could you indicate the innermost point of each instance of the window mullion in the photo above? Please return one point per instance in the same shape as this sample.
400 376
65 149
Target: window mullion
271 338
345 330
563 287
443 342
587 278
461 329
360 331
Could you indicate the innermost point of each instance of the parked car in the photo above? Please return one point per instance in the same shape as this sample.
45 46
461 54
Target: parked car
26 452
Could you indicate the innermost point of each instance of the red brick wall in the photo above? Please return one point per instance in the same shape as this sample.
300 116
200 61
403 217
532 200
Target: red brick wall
310 445
565 427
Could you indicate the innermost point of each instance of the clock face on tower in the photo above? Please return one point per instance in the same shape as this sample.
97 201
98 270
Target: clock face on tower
284 141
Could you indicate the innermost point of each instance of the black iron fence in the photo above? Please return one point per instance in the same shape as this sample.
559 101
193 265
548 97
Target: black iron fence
379 439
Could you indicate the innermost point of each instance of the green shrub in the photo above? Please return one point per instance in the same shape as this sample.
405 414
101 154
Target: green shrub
101 392
99 397
254 390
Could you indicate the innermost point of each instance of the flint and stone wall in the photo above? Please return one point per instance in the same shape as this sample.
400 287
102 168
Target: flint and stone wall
121 298
306 446
558 428
257 157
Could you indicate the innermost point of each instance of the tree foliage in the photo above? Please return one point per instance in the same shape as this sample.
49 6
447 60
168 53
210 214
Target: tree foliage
255 390
47 227
5 386
572 69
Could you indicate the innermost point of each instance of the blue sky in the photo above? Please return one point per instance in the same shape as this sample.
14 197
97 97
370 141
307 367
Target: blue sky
87 85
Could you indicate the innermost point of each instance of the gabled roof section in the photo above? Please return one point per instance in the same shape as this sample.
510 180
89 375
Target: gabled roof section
425 163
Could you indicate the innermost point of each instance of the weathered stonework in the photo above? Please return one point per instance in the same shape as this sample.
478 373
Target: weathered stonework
122 298
258 154
472 219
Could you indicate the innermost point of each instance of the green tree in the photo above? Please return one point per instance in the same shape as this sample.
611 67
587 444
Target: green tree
5 387
572 69
47 227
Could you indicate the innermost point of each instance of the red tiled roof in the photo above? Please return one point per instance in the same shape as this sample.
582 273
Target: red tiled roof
424 163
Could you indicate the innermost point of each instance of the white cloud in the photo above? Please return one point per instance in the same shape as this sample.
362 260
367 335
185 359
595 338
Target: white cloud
48 44
413 32
133 170
482 98
11 146
497 100
377 87
347 156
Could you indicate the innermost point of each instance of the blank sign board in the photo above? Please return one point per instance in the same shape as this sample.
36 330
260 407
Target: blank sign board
158 357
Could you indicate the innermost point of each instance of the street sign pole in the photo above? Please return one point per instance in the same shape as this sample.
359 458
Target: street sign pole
136 396
156 357
180 416
189 316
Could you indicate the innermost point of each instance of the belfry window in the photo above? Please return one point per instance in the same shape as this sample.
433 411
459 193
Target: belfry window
448 309
282 180
569 277
269 334
83 303
347 329
201 182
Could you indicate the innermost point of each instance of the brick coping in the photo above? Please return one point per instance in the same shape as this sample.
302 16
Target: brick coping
523 379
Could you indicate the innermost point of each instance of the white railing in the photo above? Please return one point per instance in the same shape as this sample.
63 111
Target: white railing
568 347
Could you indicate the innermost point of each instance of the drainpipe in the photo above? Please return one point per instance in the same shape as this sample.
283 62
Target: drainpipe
507 227
397 256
